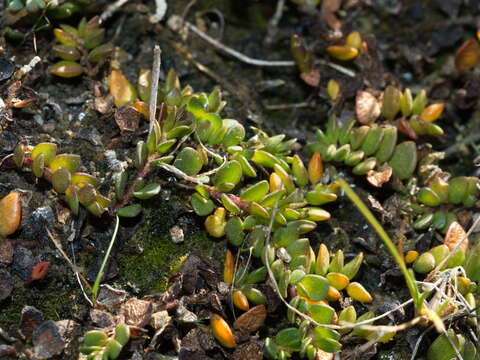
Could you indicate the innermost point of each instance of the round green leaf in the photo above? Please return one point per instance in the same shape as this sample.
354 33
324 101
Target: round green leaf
230 173
130 211
147 192
404 160
289 338
314 287
202 206
189 161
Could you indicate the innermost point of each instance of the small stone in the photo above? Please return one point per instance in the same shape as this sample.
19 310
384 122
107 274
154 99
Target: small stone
47 340
38 119
70 331
110 297
6 284
185 316
101 318
137 312
91 135
22 262
6 252
39 219
48 128
160 320
30 319
177 235
7 68
8 141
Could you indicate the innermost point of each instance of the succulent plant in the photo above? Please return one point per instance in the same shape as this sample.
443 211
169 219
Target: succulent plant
468 54
80 49
445 346
366 148
62 171
57 9
263 198
98 345
349 50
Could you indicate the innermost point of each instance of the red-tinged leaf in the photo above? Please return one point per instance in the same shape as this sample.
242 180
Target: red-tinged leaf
311 78
122 90
405 128
40 270
468 55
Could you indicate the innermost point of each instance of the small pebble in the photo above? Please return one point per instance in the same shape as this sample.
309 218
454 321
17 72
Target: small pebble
47 340
177 235
6 284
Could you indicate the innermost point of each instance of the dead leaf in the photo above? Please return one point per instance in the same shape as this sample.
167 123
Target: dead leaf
468 55
405 128
329 7
252 350
454 235
311 78
323 355
252 320
104 104
367 107
378 178
127 118
137 312
39 272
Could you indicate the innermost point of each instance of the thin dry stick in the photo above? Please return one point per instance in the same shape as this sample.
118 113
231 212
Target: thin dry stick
273 23
111 9
337 67
157 62
237 91
249 60
235 53
289 106
179 173
470 139
79 276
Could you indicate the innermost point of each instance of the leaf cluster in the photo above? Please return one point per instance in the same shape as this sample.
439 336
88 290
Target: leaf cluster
80 48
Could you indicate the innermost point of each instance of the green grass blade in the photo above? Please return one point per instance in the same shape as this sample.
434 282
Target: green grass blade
409 279
99 277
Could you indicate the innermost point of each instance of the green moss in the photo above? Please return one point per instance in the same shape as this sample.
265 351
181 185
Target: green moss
58 307
160 258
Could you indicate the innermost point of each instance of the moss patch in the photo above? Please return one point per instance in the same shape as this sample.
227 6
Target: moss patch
61 306
160 258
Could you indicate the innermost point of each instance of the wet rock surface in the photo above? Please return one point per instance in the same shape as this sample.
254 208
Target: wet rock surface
6 284
47 340
23 262
30 320
40 219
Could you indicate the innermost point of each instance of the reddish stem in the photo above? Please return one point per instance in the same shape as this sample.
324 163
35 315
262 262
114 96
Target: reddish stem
140 176
242 204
